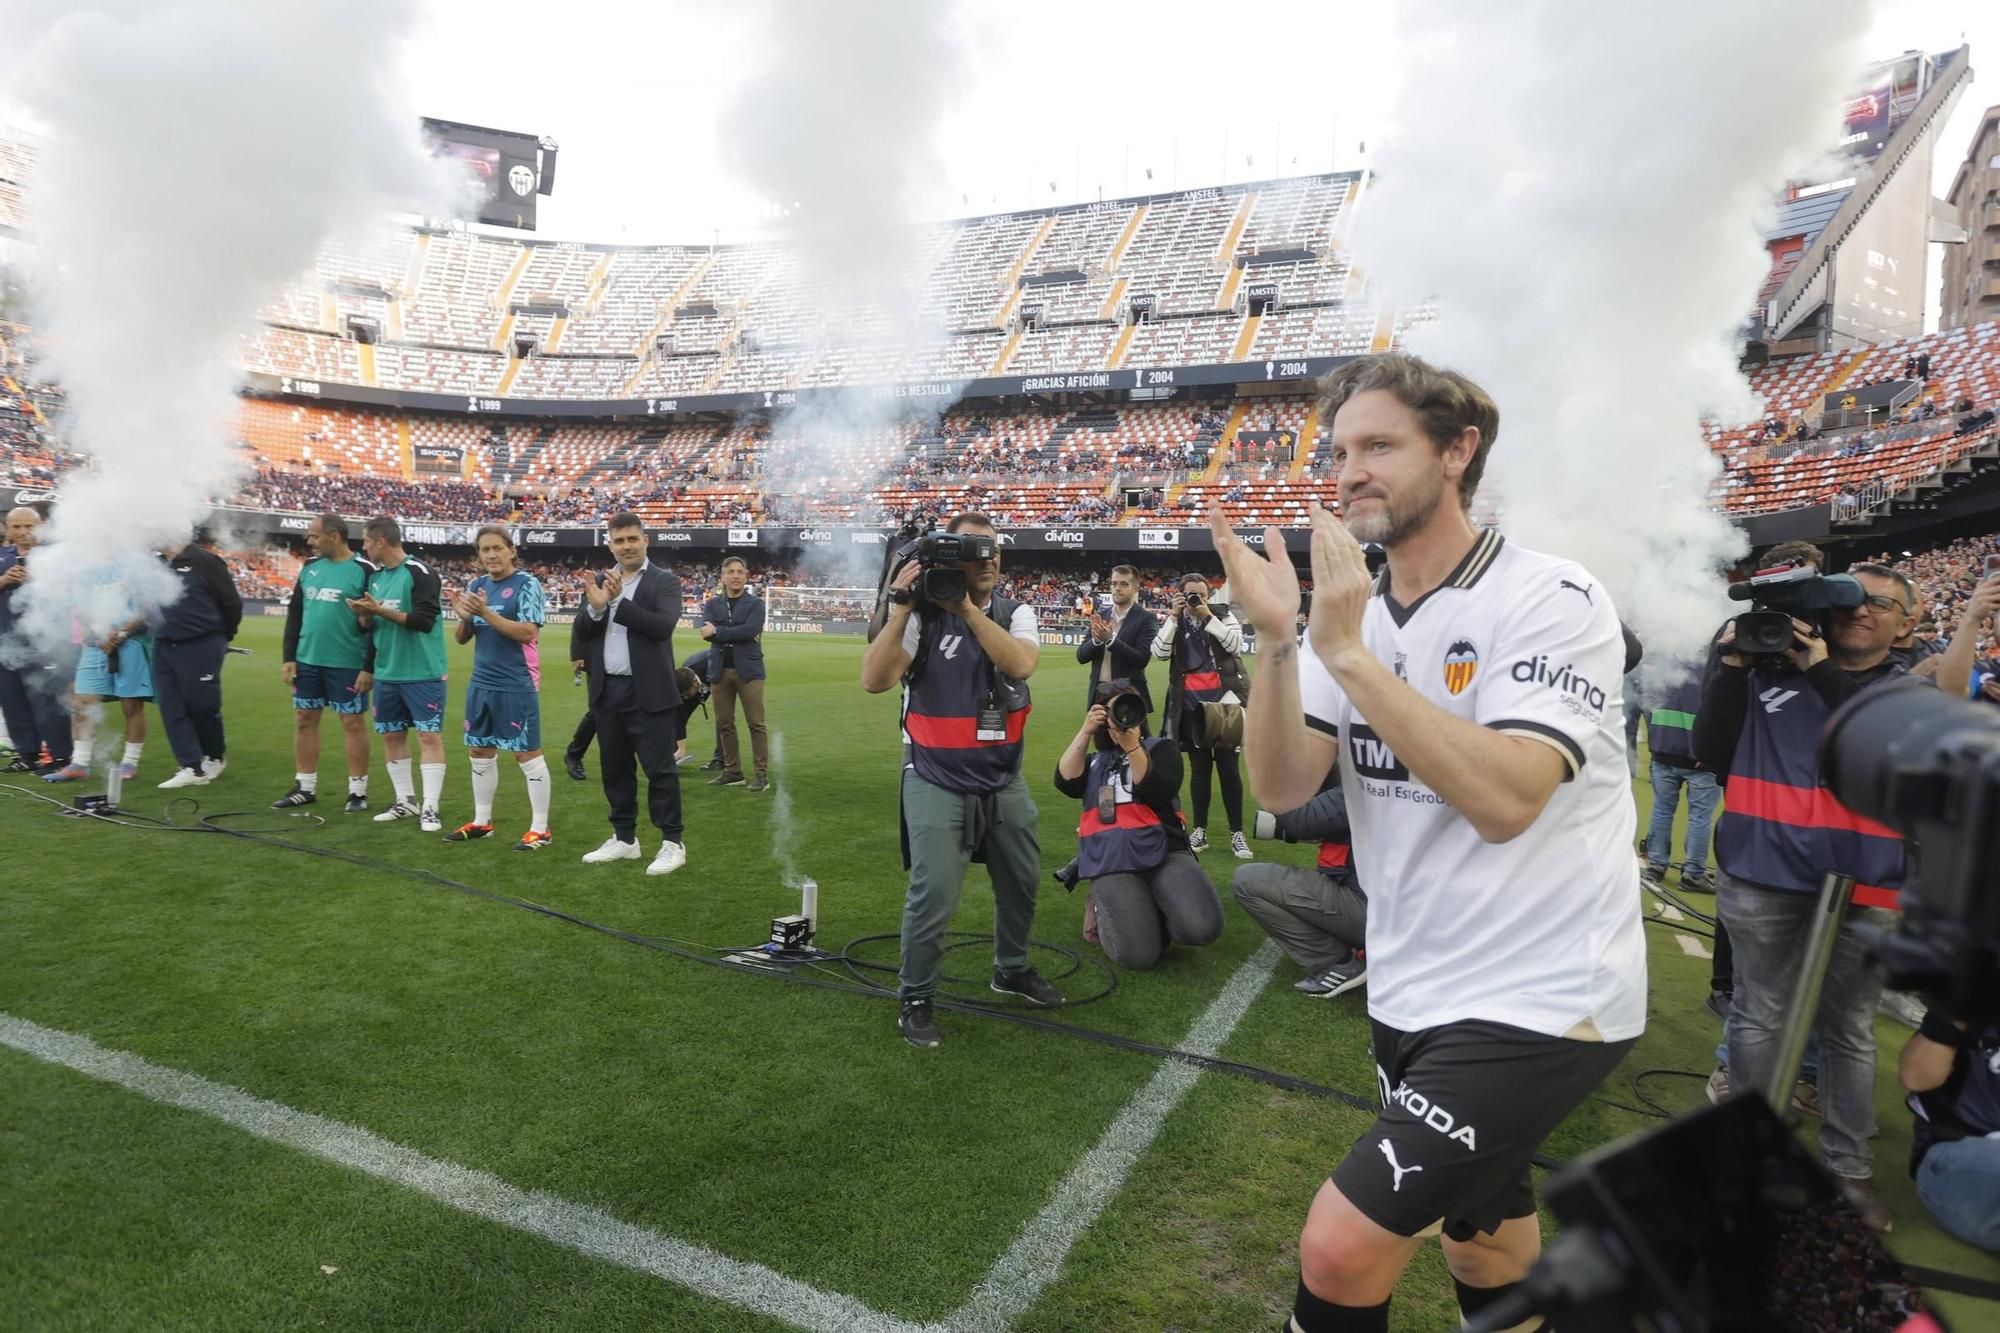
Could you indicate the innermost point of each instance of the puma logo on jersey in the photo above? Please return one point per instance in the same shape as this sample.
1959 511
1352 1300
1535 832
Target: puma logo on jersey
949 645
1389 1151
1774 698
1574 587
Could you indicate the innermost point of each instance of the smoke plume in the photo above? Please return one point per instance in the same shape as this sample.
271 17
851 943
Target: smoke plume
196 155
835 123
1578 186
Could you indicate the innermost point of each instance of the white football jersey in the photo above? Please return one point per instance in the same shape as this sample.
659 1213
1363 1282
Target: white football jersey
1542 932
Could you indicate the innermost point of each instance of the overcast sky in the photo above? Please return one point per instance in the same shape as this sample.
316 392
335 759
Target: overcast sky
1077 95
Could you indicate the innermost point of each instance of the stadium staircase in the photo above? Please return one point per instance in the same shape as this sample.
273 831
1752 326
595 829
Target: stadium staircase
367 352
1241 350
513 369
1011 284
1303 447
1117 356
406 451
505 470
999 366
1385 332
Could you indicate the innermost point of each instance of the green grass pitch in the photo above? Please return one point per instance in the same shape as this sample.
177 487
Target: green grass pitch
774 1123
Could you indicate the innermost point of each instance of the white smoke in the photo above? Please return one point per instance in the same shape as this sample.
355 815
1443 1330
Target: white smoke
196 155
784 830
1578 185
835 123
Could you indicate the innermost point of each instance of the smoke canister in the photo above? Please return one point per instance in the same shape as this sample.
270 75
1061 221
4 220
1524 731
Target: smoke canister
809 903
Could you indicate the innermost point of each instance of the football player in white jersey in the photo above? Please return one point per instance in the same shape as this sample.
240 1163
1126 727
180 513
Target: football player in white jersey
1470 696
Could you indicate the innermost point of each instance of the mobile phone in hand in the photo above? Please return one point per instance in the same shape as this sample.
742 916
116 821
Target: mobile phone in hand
1992 565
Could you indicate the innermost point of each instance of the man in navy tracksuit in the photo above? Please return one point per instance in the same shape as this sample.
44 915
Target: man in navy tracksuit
190 636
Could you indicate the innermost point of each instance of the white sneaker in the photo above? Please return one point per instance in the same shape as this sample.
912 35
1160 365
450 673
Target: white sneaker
1902 1006
613 850
211 769
1239 845
428 820
187 777
671 858
400 810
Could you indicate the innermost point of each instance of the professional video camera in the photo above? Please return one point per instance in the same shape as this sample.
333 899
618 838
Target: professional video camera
1719 1220
1777 596
1121 701
938 554
1928 765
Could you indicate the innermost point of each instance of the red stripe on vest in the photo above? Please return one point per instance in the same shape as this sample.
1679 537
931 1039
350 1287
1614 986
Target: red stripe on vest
1334 855
1132 815
1870 895
1202 680
1801 807
960 733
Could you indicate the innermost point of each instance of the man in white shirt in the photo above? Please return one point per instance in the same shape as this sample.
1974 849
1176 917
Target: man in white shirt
1470 696
625 638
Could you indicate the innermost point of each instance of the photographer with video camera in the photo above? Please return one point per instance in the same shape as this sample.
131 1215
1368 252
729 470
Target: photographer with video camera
1810 643
1206 693
963 655
1146 886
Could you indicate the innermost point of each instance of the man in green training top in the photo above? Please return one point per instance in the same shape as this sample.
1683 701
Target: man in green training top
329 662
404 607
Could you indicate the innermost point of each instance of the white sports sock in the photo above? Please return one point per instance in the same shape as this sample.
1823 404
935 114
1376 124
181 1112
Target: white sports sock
485 782
358 786
536 771
80 753
133 749
399 778
433 784
308 782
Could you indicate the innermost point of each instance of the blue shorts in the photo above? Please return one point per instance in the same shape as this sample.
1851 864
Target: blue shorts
130 677
315 687
403 705
508 720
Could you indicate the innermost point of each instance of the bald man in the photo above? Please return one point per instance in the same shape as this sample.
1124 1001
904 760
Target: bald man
31 690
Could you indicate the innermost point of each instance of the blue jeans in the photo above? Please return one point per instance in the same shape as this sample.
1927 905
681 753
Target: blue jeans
1768 931
1704 794
1959 1183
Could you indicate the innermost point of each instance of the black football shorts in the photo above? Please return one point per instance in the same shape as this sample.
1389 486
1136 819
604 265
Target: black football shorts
1465 1106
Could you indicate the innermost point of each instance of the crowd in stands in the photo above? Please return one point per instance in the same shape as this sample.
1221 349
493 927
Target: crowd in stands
348 493
1945 577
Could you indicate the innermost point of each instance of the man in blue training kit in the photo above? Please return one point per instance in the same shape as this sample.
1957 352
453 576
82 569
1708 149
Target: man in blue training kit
501 614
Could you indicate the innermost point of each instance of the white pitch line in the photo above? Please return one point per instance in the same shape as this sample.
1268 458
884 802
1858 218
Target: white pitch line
1691 946
745 1285
1036 1257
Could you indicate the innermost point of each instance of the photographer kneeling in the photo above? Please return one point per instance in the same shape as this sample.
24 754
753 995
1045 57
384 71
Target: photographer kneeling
1147 887
1319 917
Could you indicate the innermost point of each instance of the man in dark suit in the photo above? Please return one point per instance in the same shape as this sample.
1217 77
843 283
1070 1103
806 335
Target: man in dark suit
625 639
1120 644
734 627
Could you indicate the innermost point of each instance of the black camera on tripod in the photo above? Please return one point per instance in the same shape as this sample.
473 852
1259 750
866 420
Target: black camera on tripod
939 555
1121 702
1778 596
